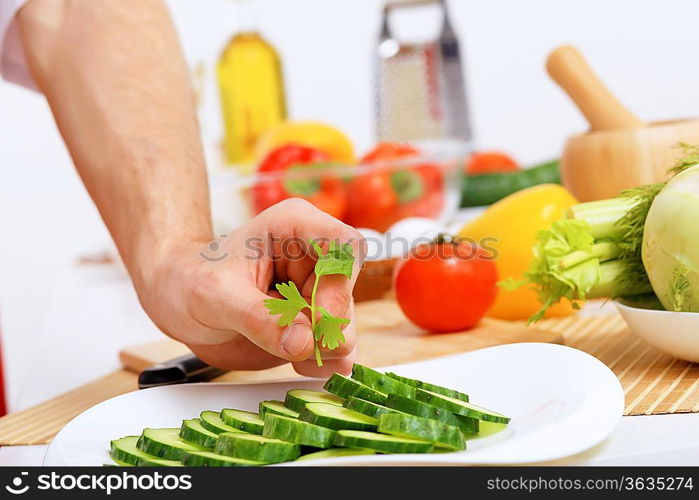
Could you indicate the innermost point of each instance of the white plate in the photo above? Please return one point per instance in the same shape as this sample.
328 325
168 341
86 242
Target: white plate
562 401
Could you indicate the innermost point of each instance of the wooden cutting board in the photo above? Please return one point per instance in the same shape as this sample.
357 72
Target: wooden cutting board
384 337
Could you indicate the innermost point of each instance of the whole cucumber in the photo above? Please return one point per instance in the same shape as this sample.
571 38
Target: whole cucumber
484 189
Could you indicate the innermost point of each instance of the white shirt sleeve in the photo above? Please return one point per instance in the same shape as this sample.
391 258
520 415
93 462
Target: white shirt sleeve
13 66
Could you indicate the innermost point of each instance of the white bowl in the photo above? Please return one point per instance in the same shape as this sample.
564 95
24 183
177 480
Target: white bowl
674 333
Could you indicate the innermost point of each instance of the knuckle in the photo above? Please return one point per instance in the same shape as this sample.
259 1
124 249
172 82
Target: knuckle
296 204
338 299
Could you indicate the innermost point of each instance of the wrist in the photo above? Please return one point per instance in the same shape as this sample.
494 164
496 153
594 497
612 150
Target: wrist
154 266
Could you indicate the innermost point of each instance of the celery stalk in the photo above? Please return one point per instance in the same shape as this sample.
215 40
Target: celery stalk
604 251
603 216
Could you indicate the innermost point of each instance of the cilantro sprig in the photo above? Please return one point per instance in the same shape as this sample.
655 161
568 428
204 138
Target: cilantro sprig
339 259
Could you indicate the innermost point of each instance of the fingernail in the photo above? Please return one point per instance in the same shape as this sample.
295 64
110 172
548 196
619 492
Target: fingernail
295 338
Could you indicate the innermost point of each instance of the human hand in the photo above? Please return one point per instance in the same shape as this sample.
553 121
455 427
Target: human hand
212 298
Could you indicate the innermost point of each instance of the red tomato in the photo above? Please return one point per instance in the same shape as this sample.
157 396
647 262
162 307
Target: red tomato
488 162
325 192
378 199
446 287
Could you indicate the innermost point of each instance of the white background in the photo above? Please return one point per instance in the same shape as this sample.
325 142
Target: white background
62 324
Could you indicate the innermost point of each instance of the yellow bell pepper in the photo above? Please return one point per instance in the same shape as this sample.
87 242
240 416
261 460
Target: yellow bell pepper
310 134
512 224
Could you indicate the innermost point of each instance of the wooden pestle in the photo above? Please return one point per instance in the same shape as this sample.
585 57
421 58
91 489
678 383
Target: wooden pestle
603 111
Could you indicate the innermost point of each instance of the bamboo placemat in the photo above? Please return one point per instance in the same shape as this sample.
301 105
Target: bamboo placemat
40 423
654 383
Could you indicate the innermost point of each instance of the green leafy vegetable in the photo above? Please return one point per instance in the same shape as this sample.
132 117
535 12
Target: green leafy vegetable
597 250
339 259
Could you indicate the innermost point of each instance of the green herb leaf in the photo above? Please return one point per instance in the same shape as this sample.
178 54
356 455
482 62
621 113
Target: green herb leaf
338 260
327 331
690 158
290 306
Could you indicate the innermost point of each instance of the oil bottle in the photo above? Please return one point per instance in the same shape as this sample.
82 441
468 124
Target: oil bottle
251 86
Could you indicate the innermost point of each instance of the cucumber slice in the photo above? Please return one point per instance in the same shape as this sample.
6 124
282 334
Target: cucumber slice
125 451
337 417
165 443
446 436
425 410
211 421
461 407
381 442
380 382
345 387
193 432
246 421
296 431
490 428
210 459
419 384
257 448
367 407
296 399
277 407
336 452
117 463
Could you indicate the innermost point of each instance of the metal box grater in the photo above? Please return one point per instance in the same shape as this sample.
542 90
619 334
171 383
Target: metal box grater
420 91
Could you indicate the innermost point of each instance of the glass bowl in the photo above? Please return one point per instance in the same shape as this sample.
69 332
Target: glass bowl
373 196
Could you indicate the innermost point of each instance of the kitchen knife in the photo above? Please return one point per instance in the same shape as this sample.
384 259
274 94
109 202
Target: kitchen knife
187 368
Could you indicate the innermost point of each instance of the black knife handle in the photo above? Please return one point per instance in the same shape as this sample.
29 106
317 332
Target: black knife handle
187 368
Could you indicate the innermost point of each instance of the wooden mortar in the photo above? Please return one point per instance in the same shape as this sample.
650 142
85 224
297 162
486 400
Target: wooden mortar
620 151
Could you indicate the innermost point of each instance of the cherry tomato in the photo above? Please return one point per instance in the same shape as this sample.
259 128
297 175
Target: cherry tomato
325 192
446 287
488 162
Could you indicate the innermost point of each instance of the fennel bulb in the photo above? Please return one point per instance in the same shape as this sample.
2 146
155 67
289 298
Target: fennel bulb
670 250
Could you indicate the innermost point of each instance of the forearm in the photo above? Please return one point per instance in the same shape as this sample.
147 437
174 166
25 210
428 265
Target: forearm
115 79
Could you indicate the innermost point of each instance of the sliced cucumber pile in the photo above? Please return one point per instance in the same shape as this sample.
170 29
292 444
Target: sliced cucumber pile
371 412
